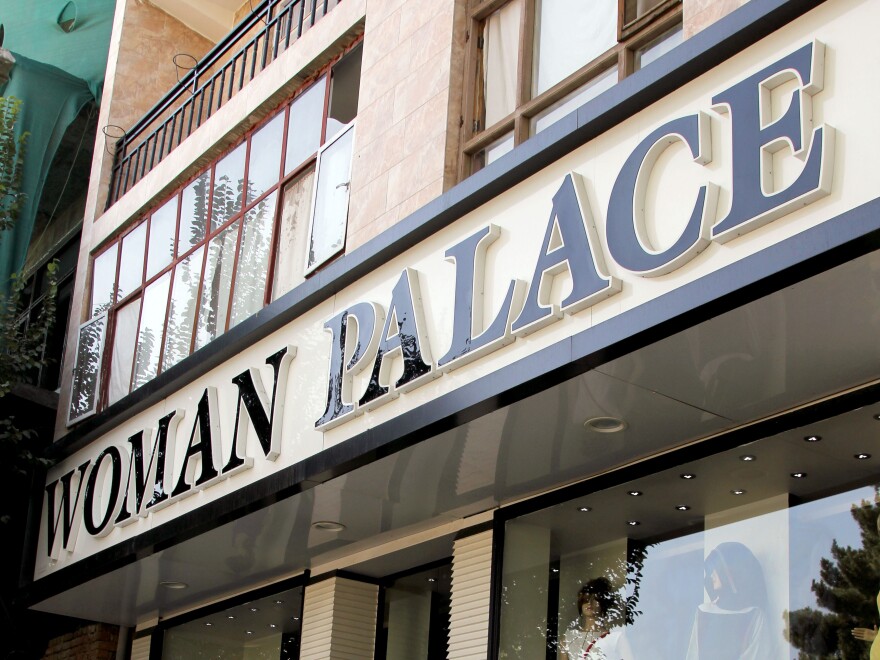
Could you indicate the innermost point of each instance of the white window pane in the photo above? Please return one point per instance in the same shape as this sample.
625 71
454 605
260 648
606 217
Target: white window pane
293 233
131 266
182 310
149 338
162 227
573 101
124 337
216 285
330 214
104 280
253 260
228 184
87 370
193 214
265 159
494 151
568 35
500 53
660 46
304 126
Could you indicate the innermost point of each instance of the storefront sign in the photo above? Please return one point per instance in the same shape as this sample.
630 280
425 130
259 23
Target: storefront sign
381 345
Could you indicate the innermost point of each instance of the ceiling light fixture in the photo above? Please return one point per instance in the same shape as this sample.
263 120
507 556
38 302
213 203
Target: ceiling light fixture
248 632
272 625
737 491
862 456
812 438
877 417
688 475
432 579
328 526
799 475
171 584
748 457
208 623
605 424
635 493
230 616
633 523
255 609
584 509
279 602
682 507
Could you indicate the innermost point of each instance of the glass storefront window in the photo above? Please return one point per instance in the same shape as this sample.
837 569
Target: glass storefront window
415 617
762 552
260 629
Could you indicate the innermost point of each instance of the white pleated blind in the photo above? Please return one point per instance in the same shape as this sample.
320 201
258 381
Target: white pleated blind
471 585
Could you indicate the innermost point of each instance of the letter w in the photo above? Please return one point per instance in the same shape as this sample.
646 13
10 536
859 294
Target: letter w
67 513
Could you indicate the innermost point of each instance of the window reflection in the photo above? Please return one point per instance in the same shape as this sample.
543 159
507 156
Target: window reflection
131 265
193 213
228 187
104 280
692 570
264 164
253 260
149 337
162 227
182 309
216 286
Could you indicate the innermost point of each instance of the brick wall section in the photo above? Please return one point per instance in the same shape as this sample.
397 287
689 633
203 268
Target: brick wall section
93 642
407 125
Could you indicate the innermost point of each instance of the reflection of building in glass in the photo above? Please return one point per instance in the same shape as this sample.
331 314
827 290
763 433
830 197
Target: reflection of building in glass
470 329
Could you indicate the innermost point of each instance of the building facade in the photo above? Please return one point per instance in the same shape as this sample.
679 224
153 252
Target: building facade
506 329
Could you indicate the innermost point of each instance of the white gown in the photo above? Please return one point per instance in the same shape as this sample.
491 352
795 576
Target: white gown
581 645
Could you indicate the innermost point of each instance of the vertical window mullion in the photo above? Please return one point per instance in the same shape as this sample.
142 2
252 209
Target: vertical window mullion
276 222
192 339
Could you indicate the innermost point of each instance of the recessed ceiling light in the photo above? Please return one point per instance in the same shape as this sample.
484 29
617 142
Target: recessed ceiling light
295 618
248 632
584 509
554 570
748 457
208 623
682 507
877 417
605 424
432 579
171 584
862 457
255 609
635 493
799 475
812 438
688 475
737 491
279 602
230 616
272 625
633 523
328 525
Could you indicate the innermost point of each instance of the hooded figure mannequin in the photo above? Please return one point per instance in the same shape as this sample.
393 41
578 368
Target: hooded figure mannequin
731 625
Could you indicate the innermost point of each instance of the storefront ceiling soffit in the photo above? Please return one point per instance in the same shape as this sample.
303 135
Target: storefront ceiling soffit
795 346
212 19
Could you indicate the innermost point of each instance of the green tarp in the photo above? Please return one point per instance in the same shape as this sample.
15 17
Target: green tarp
55 75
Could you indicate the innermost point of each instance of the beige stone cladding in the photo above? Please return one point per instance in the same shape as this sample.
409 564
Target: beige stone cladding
407 126
700 14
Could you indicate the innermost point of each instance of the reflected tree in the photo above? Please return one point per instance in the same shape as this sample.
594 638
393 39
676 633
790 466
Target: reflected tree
846 595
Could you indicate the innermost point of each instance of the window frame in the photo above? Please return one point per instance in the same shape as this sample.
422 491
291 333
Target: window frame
630 37
182 252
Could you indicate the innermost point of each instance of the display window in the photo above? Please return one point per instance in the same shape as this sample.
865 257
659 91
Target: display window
765 550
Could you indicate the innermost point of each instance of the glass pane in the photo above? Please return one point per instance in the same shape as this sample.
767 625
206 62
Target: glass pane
493 152
767 551
293 233
568 35
264 170
193 214
660 46
87 370
124 337
636 8
103 280
228 183
304 128
415 621
500 54
162 227
345 80
131 266
215 289
149 338
573 101
331 201
182 310
253 260
264 628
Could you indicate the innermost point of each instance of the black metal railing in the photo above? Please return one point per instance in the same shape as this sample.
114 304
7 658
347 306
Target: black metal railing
254 44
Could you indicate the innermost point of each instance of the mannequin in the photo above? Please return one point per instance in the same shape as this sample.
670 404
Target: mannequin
870 634
591 637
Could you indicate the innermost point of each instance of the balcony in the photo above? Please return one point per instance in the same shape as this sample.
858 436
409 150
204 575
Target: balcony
210 82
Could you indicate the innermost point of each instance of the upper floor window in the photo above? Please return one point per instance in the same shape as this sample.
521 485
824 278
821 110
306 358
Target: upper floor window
534 61
223 246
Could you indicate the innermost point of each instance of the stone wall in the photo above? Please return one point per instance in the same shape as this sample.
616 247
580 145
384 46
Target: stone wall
93 642
407 126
